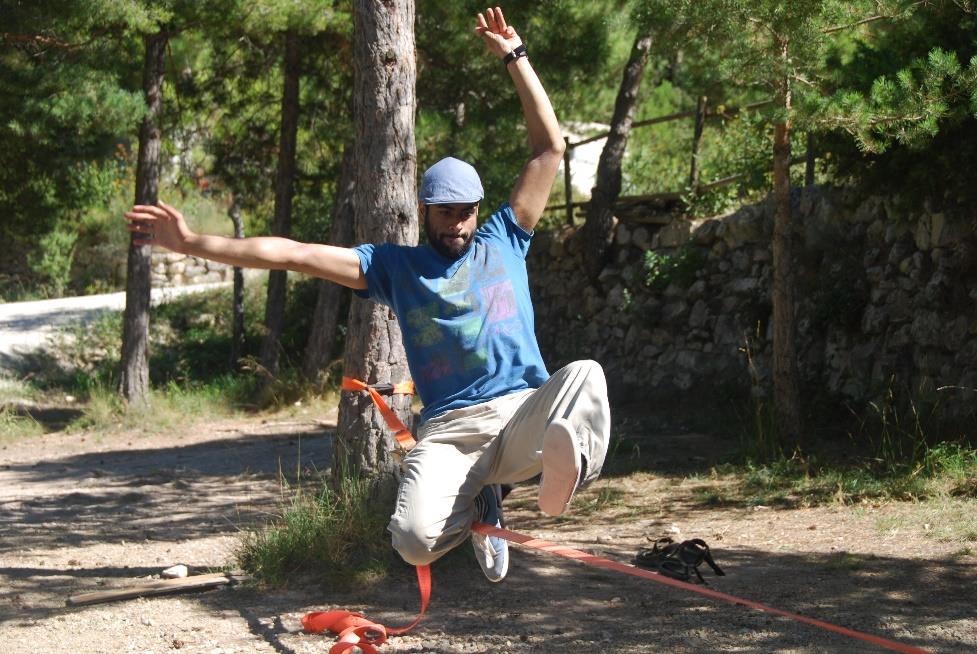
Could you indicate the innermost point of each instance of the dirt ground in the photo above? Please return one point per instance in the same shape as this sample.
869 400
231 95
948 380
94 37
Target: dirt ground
88 512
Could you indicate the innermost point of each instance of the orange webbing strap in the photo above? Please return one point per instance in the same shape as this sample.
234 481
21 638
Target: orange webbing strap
405 440
358 632
607 564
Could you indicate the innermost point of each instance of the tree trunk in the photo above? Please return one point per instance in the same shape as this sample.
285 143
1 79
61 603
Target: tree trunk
599 227
237 331
332 298
386 211
785 384
134 378
284 190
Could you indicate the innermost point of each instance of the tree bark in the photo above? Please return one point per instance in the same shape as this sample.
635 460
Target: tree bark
599 226
284 191
237 330
785 384
134 378
386 211
332 298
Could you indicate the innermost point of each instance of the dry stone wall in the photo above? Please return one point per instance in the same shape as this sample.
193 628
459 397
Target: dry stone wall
887 301
108 263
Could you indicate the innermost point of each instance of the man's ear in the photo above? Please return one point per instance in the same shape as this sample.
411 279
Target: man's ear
420 209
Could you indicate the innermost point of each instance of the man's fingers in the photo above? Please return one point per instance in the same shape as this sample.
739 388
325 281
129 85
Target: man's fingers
482 25
492 23
171 211
500 19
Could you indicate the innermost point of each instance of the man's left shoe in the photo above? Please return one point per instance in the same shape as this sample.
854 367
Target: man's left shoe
562 467
492 552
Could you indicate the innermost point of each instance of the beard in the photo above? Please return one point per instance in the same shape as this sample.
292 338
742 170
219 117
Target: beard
447 247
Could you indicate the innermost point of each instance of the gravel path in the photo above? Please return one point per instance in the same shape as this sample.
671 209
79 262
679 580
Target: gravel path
27 326
84 512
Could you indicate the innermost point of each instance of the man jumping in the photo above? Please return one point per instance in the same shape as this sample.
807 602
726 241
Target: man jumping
492 414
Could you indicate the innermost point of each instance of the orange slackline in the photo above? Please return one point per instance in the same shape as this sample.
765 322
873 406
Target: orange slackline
607 564
357 631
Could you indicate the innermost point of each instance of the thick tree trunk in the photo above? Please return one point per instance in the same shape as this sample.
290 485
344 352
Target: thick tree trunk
599 228
332 298
134 379
284 191
785 384
237 330
386 211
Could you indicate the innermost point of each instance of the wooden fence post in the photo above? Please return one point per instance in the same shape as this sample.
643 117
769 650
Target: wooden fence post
700 120
567 181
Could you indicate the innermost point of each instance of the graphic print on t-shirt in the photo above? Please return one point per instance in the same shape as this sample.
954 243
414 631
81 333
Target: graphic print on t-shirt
466 311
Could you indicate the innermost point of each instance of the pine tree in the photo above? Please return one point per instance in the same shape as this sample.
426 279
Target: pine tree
386 211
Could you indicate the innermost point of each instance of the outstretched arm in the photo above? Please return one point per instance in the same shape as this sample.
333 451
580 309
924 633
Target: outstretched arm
532 189
164 226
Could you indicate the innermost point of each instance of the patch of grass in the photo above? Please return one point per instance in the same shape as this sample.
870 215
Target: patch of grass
604 498
15 425
336 536
169 409
948 519
946 470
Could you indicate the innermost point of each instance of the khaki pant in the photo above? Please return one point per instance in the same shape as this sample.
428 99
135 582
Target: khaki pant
497 442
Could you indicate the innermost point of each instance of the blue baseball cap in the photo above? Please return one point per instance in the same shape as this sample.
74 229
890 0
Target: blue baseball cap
450 181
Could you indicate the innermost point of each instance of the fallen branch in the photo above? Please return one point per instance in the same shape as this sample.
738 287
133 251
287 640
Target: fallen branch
154 588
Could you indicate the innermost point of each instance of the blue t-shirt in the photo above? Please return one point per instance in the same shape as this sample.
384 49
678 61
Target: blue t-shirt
468 325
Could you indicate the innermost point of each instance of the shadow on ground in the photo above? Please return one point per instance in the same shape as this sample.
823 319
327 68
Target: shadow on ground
170 493
548 605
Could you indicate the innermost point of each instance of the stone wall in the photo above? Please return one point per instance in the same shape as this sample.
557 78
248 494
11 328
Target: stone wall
108 264
172 269
885 299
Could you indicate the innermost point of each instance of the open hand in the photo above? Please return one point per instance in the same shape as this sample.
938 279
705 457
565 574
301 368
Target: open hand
500 37
161 225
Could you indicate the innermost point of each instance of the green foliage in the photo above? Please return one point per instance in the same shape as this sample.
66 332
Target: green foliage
52 259
840 292
910 89
678 267
335 536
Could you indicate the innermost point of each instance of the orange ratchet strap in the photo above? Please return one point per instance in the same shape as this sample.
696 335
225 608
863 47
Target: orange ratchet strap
405 440
355 630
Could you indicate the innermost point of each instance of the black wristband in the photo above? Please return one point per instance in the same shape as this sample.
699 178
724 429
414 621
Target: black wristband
518 51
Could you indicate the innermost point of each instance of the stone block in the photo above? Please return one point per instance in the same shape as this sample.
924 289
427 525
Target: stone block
743 285
674 311
699 315
705 233
623 235
927 329
641 238
674 234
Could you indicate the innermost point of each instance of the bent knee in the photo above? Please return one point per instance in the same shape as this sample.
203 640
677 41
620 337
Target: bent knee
414 546
588 367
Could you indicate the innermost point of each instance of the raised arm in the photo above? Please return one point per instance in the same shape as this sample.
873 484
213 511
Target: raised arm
532 189
164 226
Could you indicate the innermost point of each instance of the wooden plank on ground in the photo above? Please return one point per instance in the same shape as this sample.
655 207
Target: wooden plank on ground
156 587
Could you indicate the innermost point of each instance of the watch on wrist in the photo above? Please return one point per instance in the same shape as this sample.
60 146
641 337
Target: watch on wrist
517 52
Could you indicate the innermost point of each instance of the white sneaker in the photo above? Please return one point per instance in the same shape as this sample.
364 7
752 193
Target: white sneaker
492 552
561 467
